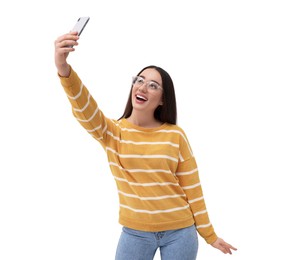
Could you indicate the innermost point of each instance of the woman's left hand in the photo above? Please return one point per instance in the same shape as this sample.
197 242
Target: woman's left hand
223 246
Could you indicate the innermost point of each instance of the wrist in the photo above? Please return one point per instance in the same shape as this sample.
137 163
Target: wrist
64 70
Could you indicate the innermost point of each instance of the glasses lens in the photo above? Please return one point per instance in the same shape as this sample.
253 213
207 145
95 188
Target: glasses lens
153 85
138 80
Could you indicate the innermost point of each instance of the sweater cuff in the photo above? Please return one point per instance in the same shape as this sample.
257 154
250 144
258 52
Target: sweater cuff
211 239
71 84
67 80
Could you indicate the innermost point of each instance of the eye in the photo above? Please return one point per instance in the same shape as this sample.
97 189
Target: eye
140 80
153 85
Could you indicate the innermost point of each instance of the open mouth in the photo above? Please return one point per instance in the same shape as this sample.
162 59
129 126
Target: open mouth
141 98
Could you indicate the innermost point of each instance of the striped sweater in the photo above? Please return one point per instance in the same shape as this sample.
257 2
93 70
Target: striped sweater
155 171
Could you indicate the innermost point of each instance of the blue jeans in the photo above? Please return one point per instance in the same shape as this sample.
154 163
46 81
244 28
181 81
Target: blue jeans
180 244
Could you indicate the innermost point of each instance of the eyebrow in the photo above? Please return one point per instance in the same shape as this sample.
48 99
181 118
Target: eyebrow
150 80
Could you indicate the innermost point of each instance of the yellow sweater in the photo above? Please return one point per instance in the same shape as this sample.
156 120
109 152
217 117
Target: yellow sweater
154 168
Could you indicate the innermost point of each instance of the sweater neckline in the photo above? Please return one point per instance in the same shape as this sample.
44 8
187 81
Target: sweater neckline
143 129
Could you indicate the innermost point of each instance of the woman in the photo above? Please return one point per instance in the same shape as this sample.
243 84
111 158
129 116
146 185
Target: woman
161 200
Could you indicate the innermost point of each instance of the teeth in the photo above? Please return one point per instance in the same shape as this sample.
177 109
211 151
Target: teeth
140 97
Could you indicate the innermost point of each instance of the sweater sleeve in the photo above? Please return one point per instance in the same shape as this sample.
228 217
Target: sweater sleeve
85 108
188 176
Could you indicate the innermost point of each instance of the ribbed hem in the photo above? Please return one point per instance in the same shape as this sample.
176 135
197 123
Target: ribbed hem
71 84
156 227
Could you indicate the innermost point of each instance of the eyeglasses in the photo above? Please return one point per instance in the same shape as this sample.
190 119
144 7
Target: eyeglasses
151 85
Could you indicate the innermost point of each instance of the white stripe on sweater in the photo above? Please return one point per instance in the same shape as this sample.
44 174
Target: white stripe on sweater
104 129
187 173
149 143
200 213
148 184
154 211
94 129
154 156
203 226
86 105
195 200
191 186
151 198
90 118
140 170
79 93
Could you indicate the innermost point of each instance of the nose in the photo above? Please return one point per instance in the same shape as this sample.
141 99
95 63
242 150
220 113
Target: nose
143 88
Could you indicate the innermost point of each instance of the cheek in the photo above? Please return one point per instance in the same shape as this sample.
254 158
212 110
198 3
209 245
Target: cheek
132 94
157 100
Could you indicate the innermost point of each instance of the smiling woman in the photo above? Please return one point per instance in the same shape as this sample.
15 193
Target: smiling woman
160 194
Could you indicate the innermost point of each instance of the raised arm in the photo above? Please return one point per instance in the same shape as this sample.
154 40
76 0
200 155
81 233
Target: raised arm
85 109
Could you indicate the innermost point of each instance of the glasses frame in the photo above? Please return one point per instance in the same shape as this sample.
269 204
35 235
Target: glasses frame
140 81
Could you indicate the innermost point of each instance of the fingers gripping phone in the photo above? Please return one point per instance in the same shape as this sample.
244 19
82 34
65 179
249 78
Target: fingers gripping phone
80 24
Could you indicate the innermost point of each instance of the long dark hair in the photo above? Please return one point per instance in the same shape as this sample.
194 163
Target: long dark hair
165 113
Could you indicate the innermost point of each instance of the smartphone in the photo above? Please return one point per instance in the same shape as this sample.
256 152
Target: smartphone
80 24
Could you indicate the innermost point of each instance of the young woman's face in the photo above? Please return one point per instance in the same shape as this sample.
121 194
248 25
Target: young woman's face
147 91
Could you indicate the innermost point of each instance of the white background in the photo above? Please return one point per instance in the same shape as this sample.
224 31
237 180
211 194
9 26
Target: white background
58 199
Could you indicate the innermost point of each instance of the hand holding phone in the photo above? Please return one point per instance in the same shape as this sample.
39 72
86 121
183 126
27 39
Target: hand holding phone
62 51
